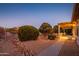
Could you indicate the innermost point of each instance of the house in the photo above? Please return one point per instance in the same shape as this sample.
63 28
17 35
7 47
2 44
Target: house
71 28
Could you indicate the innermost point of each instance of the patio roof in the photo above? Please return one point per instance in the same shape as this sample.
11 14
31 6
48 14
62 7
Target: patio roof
67 24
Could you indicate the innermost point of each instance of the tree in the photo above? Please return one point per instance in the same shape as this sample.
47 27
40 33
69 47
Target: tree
45 28
55 29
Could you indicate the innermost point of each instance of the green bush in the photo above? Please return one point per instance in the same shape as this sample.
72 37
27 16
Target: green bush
27 33
51 36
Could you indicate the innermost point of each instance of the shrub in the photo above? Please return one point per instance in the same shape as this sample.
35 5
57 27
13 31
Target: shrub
2 33
12 30
27 33
51 36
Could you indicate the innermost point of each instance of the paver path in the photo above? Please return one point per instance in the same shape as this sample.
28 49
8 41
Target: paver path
54 49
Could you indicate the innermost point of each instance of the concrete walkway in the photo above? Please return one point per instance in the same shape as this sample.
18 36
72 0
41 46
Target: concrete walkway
54 49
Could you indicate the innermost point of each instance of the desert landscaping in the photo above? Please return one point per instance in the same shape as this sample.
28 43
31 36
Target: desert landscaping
39 30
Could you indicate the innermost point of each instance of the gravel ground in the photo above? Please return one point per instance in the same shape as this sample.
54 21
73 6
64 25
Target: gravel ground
11 46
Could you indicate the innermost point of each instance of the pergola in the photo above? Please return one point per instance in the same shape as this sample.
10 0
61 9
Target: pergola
67 25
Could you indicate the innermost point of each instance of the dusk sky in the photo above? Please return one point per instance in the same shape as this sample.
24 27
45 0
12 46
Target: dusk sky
12 15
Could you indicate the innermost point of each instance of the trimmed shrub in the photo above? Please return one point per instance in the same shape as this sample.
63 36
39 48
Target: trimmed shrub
27 33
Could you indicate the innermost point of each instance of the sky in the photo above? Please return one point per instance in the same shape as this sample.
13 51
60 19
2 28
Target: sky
12 15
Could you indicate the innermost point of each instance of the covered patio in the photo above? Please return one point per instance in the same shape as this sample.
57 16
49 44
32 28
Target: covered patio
67 29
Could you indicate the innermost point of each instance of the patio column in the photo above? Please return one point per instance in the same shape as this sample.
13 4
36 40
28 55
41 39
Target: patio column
74 32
